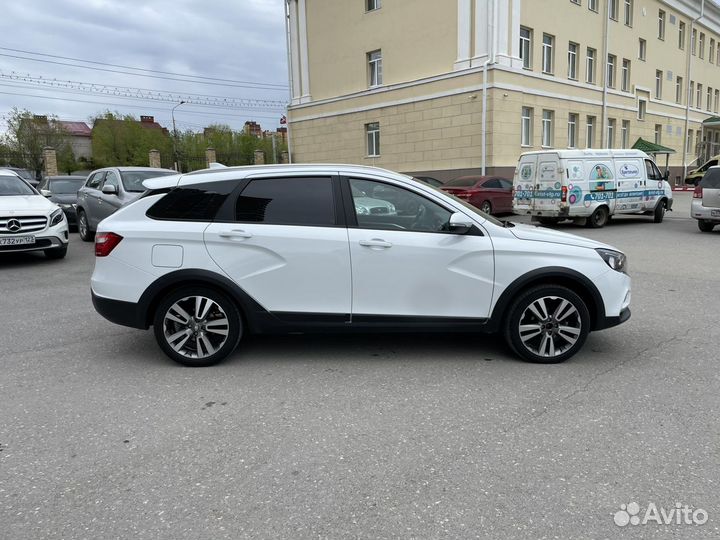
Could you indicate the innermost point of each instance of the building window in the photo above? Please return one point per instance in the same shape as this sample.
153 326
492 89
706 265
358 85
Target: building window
658 133
708 99
547 53
611 133
625 134
373 5
716 106
526 47
611 62
526 127
658 84
717 59
701 45
642 107
590 132
698 100
642 49
661 24
372 133
689 141
593 5
678 89
625 81
572 60
693 42
628 12
681 35
572 130
375 74
691 94
575 2
711 51
547 128
613 8
590 65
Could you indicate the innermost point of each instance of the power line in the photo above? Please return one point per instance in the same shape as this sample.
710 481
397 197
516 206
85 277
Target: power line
264 84
256 87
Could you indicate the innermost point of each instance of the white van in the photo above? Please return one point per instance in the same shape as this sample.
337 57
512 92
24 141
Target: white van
589 186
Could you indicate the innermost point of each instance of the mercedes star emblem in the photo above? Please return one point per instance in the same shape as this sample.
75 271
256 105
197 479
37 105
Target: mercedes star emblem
13 225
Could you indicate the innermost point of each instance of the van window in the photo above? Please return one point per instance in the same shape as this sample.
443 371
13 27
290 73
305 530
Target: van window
652 171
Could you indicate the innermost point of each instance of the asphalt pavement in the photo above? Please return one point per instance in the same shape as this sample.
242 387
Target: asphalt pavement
409 436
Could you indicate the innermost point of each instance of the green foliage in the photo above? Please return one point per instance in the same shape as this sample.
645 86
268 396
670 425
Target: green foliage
66 162
120 140
26 137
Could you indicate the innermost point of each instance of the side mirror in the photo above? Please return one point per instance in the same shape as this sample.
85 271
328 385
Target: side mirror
110 190
459 223
46 193
666 175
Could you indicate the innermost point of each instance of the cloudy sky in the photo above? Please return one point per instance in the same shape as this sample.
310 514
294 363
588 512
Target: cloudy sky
77 58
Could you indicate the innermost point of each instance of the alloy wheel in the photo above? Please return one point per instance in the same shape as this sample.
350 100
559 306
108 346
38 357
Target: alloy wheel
196 327
550 326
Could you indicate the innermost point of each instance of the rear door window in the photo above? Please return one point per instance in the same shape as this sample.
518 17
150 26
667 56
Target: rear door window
287 201
192 203
493 183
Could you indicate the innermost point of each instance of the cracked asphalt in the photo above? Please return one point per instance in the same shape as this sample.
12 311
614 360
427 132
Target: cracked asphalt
419 436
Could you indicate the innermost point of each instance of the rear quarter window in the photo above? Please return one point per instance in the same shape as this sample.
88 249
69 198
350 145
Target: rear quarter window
199 202
711 180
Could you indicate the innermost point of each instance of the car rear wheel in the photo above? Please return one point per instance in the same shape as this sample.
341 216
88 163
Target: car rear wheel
56 253
599 218
197 326
547 324
705 226
486 207
659 213
86 235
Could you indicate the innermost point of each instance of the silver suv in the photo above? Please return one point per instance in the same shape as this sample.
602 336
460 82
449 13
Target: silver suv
706 200
106 190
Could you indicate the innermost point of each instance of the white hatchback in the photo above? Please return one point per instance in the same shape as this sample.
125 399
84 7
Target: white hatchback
209 256
28 221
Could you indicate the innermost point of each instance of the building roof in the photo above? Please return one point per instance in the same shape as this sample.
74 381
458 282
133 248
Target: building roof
651 148
78 129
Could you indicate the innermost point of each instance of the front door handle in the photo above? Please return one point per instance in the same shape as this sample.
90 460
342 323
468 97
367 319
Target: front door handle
235 233
376 243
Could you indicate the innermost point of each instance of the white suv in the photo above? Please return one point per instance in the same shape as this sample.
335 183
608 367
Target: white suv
28 221
208 256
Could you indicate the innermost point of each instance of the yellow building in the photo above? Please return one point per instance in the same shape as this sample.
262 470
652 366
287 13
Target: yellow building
408 84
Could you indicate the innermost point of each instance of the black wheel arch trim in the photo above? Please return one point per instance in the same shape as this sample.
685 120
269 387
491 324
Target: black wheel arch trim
555 275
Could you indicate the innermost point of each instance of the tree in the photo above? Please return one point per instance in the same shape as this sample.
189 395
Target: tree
66 161
122 140
27 136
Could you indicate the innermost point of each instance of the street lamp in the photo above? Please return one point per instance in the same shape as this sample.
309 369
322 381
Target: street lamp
172 113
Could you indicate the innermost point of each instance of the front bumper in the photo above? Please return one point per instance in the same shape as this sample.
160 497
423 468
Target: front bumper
609 322
704 213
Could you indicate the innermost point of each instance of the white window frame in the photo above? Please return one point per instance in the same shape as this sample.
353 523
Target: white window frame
642 110
590 123
716 105
526 47
658 84
548 54
611 133
701 45
573 60
590 61
658 133
678 89
699 94
642 49
372 5
693 42
691 94
681 35
573 119
375 70
711 51
708 99
628 13
614 8
593 5
625 75
372 139
661 24
611 67
526 124
548 117
625 134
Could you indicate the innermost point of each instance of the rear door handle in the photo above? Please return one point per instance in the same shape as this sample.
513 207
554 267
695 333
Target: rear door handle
235 233
376 243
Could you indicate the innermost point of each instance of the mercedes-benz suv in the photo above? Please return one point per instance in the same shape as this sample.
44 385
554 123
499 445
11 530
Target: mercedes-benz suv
210 256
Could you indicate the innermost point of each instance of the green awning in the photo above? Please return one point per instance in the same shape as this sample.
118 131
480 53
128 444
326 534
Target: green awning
651 148
712 121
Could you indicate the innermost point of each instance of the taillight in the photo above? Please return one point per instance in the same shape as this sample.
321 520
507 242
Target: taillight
563 197
105 243
697 194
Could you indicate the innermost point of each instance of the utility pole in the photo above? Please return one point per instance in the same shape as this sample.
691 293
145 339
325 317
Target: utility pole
175 155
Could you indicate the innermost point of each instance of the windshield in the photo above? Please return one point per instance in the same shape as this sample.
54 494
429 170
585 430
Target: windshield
463 181
12 185
132 180
66 186
24 173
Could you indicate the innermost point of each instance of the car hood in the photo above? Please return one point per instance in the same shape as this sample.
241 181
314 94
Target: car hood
542 234
15 205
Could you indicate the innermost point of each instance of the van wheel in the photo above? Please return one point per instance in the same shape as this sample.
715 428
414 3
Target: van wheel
599 218
197 326
705 226
659 213
547 324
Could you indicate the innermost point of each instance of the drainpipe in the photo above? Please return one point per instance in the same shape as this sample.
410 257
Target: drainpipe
290 76
687 89
491 60
606 39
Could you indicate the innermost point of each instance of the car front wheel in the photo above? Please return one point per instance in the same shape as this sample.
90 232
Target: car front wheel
547 324
197 326
659 213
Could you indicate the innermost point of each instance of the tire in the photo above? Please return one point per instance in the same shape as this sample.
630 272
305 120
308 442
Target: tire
56 253
533 326
659 212
705 226
548 220
86 235
173 322
599 218
486 207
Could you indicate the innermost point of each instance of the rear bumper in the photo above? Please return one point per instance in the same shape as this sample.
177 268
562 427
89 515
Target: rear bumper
609 322
119 312
698 211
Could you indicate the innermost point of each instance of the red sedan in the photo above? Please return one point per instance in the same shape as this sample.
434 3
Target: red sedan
490 194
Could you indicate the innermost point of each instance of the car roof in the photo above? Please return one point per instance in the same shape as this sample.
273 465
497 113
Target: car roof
591 153
132 169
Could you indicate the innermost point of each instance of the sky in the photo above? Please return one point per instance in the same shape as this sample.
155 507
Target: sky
75 59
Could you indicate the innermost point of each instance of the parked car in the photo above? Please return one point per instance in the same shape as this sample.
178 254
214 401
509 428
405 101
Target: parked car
429 180
28 221
694 176
490 194
25 174
705 206
209 256
62 190
108 189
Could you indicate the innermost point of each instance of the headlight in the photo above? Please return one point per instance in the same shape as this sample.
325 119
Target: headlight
56 217
614 259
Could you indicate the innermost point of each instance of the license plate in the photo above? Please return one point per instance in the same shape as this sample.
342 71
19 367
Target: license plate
715 213
17 241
